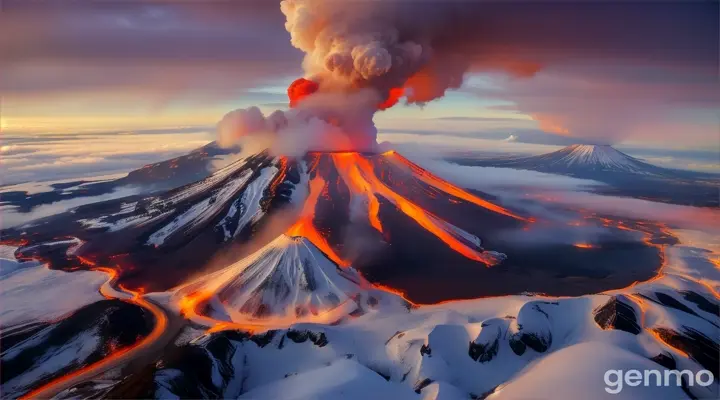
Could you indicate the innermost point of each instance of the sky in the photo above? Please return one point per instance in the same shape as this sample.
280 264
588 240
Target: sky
100 87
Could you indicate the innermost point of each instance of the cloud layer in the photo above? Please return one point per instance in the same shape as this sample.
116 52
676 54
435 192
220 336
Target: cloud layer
45 157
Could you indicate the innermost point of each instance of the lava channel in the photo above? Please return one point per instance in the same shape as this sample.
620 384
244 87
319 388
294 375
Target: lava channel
447 187
304 226
359 175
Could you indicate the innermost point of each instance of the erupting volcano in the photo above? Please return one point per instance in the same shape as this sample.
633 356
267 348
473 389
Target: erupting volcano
316 263
389 219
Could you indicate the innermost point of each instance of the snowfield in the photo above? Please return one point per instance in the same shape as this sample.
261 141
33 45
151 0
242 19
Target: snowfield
605 156
32 292
512 347
288 322
202 211
248 205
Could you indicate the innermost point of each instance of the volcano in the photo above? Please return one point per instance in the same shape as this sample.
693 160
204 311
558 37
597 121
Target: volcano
284 256
601 162
624 175
582 160
363 221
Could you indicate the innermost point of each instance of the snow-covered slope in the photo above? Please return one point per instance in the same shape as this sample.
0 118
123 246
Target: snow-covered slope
512 347
24 285
289 279
226 201
603 157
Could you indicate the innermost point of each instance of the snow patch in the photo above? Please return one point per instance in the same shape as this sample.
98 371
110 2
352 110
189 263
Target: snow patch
32 292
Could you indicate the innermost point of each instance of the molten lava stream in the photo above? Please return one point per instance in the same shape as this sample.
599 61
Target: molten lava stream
366 179
447 187
357 184
279 178
116 358
304 226
188 308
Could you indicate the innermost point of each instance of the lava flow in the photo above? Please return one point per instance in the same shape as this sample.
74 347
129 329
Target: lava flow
117 357
359 175
304 226
447 187
348 170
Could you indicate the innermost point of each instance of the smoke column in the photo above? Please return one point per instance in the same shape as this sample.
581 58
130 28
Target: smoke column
365 56
360 58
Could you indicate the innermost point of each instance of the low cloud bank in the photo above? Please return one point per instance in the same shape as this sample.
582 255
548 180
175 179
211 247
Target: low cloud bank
552 197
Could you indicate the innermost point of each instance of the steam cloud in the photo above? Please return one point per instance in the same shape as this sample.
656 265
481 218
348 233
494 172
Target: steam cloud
363 56
379 51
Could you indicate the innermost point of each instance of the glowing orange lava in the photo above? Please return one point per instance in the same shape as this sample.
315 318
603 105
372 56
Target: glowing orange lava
299 89
655 333
447 187
353 178
279 178
658 334
189 303
87 261
304 226
714 260
428 221
584 246
112 360
395 291
359 175
393 97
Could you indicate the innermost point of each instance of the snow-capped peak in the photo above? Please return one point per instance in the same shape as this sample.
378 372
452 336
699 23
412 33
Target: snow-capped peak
289 278
603 157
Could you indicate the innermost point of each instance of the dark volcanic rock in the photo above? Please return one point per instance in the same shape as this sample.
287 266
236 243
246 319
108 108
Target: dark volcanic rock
299 336
666 360
702 302
422 384
487 344
533 327
616 314
518 346
669 301
93 331
699 347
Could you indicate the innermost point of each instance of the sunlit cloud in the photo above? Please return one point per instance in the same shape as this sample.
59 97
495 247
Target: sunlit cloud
32 158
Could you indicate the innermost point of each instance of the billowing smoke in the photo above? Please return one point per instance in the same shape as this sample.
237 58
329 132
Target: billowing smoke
366 56
322 122
360 58
410 48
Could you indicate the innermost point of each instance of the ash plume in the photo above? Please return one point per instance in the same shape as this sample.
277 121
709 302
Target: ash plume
366 56
424 48
361 57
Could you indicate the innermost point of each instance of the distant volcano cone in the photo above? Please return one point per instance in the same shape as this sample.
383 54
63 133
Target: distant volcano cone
603 157
580 159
